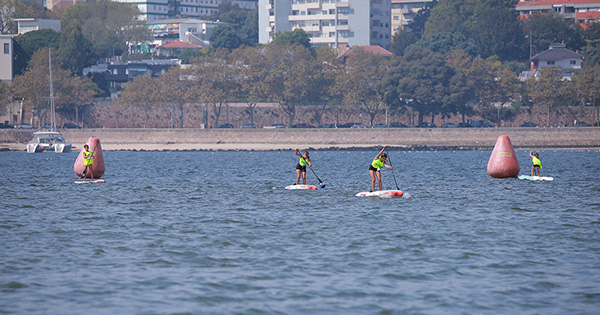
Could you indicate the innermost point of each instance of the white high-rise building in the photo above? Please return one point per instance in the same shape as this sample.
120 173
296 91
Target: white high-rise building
328 22
163 9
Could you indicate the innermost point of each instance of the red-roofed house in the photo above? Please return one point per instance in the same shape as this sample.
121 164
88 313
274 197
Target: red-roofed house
583 11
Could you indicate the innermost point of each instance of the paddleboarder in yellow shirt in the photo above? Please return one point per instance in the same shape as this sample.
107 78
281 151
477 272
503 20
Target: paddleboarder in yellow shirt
88 161
537 164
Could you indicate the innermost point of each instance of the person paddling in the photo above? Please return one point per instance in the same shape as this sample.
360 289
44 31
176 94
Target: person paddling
374 168
301 167
537 164
88 161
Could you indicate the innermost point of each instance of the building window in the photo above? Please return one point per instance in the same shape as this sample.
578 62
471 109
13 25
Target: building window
573 62
550 62
6 48
331 11
396 18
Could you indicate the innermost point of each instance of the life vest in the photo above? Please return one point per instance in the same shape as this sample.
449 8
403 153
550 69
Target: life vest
377 163
536 162
87 155
302 162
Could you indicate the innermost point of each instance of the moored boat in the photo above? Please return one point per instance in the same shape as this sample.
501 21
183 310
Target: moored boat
48 141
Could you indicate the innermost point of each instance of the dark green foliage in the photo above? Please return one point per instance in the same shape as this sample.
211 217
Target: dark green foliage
402 40
492 25
242 21
547 29
295 37
225 36
75 50
591 54
27 44
99 78
442 43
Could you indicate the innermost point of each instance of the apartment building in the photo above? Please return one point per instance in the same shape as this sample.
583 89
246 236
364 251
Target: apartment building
403 12
162 9
329 23
6 58
582 11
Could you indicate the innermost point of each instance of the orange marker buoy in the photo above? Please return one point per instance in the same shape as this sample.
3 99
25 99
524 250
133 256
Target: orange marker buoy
98 166
503 163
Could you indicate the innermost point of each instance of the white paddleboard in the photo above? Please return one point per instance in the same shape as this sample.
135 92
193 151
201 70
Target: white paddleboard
305 187
528 177
380 193
95 181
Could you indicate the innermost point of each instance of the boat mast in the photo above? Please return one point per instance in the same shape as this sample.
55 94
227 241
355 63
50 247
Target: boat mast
52 117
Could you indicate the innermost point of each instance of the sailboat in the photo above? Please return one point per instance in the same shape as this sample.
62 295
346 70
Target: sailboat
49 140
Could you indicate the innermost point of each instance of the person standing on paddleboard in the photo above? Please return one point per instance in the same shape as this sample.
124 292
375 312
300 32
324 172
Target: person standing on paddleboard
374 168
537 164
88 161
301 167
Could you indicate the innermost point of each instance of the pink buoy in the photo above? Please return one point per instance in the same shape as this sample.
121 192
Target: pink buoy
503 162
98 166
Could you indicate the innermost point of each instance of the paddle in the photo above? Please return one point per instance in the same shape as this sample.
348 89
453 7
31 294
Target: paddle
321 184
389 159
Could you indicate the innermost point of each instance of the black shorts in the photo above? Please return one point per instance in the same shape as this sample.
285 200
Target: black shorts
371 168
301 168
537 166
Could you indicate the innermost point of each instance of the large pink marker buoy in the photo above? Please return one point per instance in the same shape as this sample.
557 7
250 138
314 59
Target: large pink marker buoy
98 166
503 163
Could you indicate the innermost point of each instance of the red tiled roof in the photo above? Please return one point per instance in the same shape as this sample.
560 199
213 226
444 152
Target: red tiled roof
178 44
374 49
553 2
588 15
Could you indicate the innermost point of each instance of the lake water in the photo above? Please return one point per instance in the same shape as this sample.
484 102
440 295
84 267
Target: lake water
215 232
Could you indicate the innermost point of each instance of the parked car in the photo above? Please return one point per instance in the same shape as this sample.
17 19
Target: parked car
398 125
326 126
25 126
481 124
346 125
274 126
583 124
528 124
380 125
47 126
4 126
246 126
303 125
70 126
358 125
465 125
226 126
449 125
425 125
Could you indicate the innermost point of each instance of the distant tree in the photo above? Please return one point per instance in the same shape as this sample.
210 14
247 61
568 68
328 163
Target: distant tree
294 79
99 78
225 36
402 40
550 90
587 83
493 26
250 29
106 23
140 93
417 26
592 32
361 81
591 54
547 29
5 94
422 81
254 71
295 37
442 43
75 49
174 87
33 86
27 44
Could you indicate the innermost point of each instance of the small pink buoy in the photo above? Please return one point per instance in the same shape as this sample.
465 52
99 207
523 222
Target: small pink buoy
503 162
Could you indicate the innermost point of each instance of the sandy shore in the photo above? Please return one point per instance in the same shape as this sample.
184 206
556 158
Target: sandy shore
286 139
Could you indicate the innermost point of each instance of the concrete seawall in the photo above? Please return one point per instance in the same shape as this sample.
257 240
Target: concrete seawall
283 139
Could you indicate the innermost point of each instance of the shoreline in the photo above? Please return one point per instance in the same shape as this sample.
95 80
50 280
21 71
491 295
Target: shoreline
406 139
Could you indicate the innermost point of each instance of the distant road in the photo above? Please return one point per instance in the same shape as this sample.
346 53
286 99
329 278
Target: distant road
285 139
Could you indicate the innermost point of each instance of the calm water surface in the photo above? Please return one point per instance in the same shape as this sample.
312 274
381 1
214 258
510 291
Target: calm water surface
215 232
